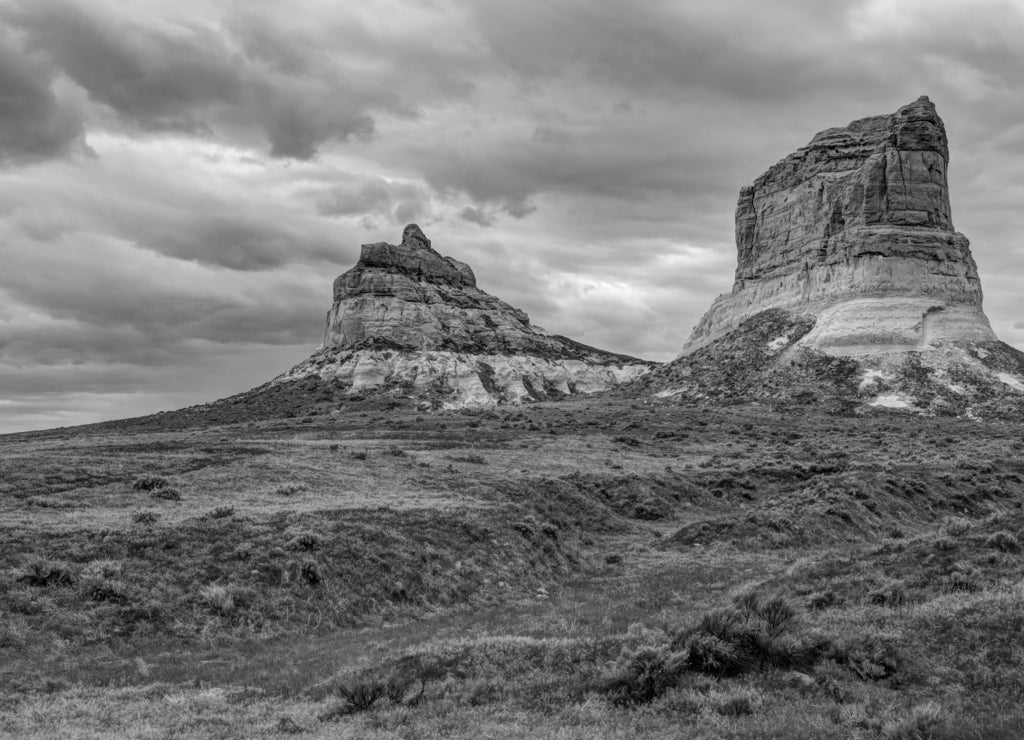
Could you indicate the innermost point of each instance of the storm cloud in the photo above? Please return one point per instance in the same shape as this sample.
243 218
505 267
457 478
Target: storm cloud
180 183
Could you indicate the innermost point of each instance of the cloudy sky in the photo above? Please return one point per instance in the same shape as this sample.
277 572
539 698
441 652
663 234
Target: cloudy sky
181 182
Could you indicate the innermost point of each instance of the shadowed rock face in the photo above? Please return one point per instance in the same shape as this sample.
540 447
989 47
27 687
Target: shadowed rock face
856 229
409 320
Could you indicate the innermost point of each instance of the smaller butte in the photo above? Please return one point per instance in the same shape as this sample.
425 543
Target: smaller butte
408 321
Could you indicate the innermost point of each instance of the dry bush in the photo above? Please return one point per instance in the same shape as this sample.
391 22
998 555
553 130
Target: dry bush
42 573
218 598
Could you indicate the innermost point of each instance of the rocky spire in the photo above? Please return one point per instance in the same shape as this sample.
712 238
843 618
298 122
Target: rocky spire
414 238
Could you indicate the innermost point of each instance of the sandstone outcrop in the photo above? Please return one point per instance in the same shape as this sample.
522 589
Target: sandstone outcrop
408 320
847 251
856 229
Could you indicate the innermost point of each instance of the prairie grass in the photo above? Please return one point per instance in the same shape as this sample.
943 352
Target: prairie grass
739 572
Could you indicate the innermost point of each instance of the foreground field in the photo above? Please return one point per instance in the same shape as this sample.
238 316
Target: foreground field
573 570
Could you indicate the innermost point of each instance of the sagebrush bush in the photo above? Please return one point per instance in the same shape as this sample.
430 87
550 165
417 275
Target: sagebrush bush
755 631
145 518
42 573
166 493
737 705
1003 541
150 483
872 657
218 598
303 541
925 721
642 675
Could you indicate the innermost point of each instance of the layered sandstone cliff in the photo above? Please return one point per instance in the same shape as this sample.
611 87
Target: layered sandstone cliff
408 320
856 229
852 286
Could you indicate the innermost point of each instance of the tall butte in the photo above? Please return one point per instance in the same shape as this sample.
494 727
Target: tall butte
408 321
852 282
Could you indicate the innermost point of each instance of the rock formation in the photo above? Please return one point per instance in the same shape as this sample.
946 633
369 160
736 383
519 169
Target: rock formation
855 229
407 320
846 249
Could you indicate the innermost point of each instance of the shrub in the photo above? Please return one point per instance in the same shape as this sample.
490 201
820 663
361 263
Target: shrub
956 526
1003 541
150 483
471 458
166 493
737 705
964 578
42 573
303 541
145 518
362 695
755 631
309 571
871 657
218 599
643 675
892 594
924 721
98 588
822 600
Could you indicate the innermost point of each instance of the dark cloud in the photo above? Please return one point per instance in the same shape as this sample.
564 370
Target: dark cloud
34 123
674 48
229 78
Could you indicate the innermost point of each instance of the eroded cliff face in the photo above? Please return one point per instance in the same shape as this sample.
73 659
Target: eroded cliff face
410 321
856 229
853 290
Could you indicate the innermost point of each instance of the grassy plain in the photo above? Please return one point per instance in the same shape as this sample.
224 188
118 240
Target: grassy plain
588 568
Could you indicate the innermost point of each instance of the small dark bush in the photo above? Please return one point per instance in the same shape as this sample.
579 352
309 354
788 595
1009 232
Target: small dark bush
145 518
754 632
1003 541
472 458
97 588
287 726
644 675
891 595
735 706
42 573
167 493
360 455
310 573
822 600
870 657
150 483
361 696
303 541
